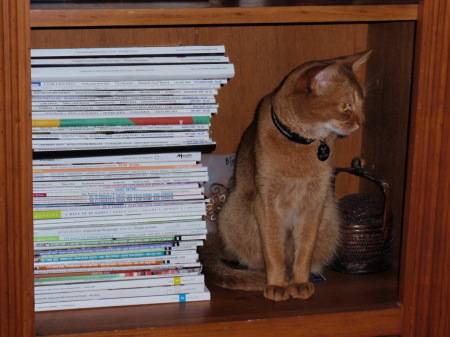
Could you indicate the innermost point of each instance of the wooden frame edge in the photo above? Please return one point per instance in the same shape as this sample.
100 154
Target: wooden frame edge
424 277
16 249
228 15
349 324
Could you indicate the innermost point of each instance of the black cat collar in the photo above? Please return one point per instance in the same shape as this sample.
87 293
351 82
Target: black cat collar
323 151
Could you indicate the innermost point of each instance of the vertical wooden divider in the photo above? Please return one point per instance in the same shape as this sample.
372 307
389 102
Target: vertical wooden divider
16 262
425 275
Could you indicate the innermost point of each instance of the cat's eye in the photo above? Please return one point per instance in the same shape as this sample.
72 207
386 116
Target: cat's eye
346 107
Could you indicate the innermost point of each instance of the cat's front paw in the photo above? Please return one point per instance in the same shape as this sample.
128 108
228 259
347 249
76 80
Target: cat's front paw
301 290
276 293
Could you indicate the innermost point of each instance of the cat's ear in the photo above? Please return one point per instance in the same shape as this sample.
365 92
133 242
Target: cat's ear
355 61
317 79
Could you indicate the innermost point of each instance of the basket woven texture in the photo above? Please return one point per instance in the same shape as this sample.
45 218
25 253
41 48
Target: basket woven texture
363 248
366 234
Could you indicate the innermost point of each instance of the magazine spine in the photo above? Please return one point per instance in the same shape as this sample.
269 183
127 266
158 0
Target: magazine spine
119 293
141 60
161 245
133 72
120 129
136 193
160 157
123 107
119 121
119 209
116 236
106 242
203 296
113 254
126 262
110 256
158 267
116 183
92 277
144 92
164 226
137 167
194 176
89 52
132 100
163 281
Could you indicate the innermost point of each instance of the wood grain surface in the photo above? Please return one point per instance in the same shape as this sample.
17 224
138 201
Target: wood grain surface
16 259
59 16
426 257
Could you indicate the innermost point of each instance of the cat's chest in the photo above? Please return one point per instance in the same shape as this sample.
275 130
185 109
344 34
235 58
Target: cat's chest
293 200
291 191
293 177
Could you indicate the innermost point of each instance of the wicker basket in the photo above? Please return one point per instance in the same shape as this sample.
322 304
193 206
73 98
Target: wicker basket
366 231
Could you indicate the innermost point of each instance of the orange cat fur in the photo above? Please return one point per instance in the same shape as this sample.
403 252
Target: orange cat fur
280 219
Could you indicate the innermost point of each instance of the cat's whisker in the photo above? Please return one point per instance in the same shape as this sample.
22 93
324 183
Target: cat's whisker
372 84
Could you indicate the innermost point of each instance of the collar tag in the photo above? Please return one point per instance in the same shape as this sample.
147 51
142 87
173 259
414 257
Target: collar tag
323 151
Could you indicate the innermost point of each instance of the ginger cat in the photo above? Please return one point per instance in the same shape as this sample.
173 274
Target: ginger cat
280 221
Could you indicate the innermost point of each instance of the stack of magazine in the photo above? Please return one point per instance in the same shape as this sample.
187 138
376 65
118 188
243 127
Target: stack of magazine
151 98
118 206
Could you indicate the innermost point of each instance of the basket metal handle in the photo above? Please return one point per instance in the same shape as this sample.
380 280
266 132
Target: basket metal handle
357 168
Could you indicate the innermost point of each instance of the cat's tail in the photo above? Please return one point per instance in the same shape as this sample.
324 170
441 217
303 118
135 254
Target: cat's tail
224 273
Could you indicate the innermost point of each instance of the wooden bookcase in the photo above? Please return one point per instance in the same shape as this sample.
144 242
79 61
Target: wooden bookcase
406 139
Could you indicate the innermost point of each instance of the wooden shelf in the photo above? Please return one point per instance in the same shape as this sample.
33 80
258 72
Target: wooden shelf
344 305
374 297
369 302
68 15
